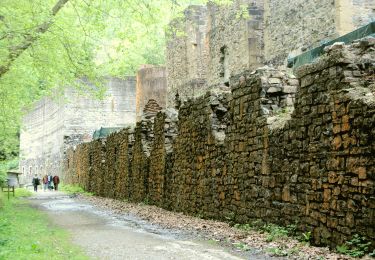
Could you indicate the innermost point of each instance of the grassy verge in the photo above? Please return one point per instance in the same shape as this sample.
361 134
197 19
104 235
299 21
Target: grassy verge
72 189
26 233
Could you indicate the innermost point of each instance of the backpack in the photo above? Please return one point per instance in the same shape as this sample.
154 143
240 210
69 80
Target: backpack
37 182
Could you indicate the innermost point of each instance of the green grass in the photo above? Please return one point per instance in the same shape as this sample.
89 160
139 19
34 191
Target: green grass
26 233
72 189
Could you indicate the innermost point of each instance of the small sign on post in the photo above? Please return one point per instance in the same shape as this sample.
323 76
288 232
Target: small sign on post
9 188
12 182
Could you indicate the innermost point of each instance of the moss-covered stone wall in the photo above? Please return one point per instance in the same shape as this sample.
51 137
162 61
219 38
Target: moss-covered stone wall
273 148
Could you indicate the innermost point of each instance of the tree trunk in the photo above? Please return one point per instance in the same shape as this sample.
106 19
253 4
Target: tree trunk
16 51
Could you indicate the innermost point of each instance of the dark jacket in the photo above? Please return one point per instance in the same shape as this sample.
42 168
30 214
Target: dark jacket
36 181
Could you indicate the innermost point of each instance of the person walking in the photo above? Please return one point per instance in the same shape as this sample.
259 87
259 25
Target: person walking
50 182
45 182
36 182
56 181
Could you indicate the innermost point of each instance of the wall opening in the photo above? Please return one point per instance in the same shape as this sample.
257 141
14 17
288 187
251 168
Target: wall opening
224 64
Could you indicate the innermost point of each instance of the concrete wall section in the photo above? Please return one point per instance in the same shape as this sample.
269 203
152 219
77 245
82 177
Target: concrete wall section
54 125
84 114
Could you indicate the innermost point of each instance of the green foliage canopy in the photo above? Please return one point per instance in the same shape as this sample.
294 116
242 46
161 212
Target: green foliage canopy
48 44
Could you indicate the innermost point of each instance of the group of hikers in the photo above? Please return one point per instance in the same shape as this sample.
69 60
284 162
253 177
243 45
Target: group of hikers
49 182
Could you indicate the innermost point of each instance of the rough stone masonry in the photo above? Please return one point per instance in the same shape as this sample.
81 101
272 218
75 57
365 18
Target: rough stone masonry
274 147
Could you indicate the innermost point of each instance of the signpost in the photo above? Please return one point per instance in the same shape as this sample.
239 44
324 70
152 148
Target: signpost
12 182
9 189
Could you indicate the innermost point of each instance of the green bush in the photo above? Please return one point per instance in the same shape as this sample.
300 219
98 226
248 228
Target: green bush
357 247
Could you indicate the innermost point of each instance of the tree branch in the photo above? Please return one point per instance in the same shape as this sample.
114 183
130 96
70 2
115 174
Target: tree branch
16 51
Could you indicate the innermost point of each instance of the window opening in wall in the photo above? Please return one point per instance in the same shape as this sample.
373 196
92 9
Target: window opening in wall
224 64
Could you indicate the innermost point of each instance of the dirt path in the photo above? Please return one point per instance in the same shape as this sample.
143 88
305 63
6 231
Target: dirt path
106 235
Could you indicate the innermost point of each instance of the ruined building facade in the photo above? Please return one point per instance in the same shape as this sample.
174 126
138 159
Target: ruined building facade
211 43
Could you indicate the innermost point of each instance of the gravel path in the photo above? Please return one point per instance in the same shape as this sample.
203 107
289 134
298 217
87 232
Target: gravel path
252 242
106 233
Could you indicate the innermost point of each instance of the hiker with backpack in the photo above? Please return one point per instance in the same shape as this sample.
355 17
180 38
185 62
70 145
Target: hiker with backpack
36 182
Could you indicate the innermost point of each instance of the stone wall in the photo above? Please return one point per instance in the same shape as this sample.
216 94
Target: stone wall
55 124
186 53
209 44
252 154
151 84
234 39
294 26
351 14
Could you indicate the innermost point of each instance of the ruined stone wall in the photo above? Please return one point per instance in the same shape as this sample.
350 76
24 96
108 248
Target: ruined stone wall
252 154
295 26
198 164
292 27
151 84
211 43
234 39
333 132
186 53
351 14
139 172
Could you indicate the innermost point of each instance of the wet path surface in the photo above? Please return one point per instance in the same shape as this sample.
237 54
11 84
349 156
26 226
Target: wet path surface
104 235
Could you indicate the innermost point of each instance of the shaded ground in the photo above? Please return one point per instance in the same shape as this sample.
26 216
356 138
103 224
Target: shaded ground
252 242
107 234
